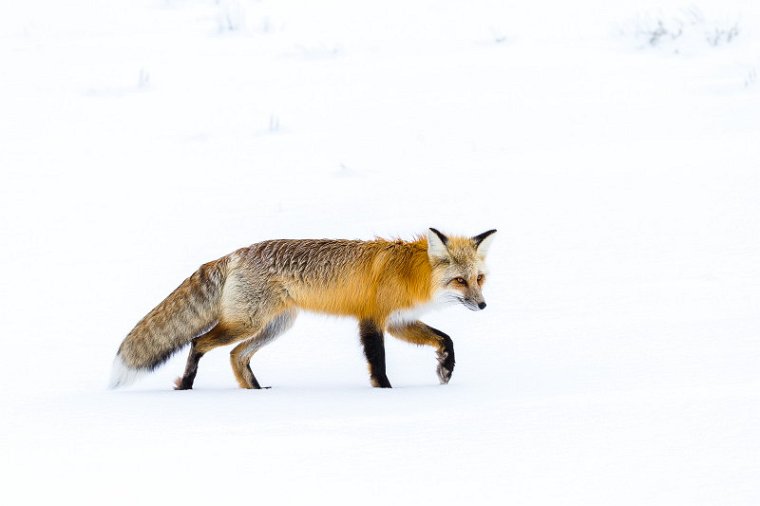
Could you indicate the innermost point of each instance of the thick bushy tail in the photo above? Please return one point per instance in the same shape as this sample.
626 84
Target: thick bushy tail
188 311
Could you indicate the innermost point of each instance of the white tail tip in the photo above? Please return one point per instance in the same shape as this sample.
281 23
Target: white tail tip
122 375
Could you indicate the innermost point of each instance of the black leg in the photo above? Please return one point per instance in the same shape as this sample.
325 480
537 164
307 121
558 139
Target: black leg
191 369
445 355
374 349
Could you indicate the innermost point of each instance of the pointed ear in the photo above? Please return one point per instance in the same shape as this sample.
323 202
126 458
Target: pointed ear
483 241
437 244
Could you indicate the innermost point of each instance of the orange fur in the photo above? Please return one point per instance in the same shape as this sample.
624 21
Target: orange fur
388 276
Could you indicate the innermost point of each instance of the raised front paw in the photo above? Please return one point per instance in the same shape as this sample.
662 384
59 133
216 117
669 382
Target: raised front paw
444 374
445 366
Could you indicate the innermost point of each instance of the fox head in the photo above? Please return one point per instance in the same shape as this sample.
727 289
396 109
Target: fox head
459 268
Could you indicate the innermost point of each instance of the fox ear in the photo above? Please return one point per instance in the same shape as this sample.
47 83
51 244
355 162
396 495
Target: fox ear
437 244
483 241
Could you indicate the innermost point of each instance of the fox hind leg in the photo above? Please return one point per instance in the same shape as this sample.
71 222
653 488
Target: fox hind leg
218 336
421 334
185 382
240 356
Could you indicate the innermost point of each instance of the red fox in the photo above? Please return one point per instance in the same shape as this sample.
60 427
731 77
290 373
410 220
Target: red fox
253 295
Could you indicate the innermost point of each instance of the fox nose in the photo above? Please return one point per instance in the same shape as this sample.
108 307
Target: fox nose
482 305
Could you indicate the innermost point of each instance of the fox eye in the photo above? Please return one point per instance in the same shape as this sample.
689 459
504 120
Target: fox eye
461 281
480 278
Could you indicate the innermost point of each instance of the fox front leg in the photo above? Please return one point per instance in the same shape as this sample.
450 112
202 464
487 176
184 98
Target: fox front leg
421 334
445 354
374 349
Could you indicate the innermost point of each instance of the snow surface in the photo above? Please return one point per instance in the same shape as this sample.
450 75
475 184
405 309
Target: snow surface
613 144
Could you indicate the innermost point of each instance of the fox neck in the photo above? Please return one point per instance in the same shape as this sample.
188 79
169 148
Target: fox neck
421 286
419 275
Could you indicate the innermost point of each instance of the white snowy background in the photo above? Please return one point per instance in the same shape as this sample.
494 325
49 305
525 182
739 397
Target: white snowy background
615 145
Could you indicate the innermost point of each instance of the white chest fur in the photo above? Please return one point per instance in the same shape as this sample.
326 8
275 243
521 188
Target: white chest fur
414 313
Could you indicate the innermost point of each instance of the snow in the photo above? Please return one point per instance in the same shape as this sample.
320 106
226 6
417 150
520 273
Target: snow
617 361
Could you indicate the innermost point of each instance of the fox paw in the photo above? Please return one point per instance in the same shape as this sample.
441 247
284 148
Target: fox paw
180 384
445 366
444 374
